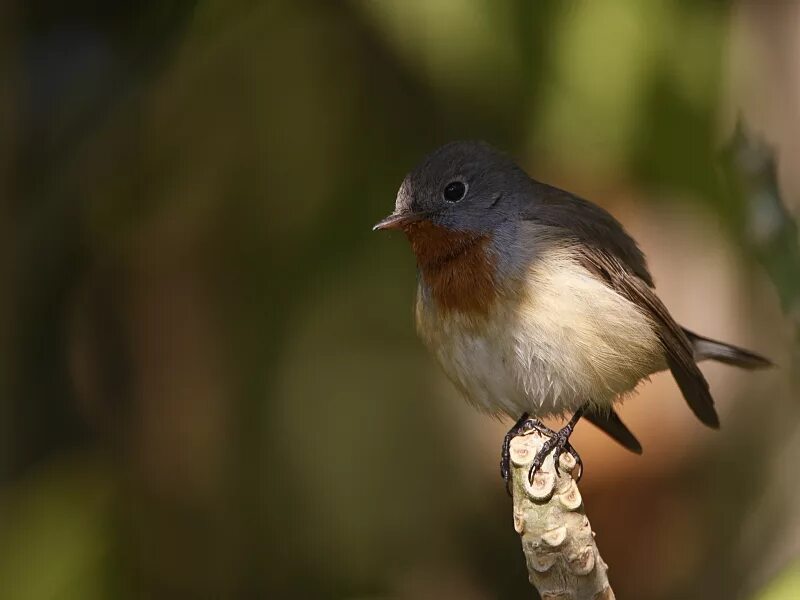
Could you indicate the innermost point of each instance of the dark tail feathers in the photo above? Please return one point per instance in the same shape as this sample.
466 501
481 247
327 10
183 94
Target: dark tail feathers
705 348
610 422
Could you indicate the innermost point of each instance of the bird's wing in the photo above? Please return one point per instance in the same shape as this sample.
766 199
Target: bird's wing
607 251
677 347
609 422
588 223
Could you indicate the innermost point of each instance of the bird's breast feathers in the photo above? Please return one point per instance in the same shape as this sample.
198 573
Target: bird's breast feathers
544 341
458 270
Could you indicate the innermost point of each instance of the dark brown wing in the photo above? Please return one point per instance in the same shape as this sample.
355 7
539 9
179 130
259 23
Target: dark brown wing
612 255
677 347
610 423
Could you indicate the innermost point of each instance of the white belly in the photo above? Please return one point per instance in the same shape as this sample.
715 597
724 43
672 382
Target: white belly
560 339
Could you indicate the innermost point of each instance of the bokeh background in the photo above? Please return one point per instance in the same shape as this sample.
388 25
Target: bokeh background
210 384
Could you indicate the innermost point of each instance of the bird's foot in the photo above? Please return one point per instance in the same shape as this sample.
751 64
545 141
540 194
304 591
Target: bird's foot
558 443
524 425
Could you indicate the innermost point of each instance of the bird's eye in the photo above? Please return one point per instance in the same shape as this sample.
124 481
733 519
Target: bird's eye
454 191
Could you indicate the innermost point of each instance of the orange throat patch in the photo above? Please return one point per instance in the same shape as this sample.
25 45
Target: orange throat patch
455 267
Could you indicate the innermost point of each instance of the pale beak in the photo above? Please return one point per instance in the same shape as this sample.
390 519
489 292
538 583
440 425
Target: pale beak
399 220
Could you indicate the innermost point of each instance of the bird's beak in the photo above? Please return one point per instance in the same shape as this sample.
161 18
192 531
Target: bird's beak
399 220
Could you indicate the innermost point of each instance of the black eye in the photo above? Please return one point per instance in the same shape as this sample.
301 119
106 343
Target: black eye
454 191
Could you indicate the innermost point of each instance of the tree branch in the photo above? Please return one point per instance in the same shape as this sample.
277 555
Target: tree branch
557 538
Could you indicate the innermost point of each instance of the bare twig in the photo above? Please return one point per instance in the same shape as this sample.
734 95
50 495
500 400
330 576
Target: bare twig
557 538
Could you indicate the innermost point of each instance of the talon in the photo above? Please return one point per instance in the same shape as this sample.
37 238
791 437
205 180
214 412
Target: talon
557 444
578 463
543 429
505 470
523 425
538 460
535 466
556 456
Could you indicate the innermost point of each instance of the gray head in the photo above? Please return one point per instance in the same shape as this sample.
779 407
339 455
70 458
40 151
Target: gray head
464 186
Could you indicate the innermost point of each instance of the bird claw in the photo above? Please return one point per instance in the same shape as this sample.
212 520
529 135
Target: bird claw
558 443
522 426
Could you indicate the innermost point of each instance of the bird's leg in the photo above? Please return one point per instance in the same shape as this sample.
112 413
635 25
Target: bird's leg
558 444
523 425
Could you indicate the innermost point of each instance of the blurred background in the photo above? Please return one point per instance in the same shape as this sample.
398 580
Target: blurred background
210 384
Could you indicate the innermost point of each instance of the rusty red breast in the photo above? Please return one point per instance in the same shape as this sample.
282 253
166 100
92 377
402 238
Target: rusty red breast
455 265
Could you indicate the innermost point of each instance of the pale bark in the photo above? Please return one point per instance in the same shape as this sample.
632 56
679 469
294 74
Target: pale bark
557 538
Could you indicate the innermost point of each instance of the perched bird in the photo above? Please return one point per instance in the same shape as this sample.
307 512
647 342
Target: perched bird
537 303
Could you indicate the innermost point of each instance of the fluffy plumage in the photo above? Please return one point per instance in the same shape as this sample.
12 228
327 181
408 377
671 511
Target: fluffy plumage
553 339
536 301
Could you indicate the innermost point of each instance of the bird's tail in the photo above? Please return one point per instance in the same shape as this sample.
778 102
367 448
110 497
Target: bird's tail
705 348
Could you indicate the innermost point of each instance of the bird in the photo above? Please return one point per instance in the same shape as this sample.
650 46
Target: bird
537 303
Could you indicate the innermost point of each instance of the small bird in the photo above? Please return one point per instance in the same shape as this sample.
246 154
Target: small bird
537 303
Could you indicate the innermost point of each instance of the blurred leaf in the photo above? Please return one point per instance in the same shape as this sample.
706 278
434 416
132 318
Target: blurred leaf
55 533
785 587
